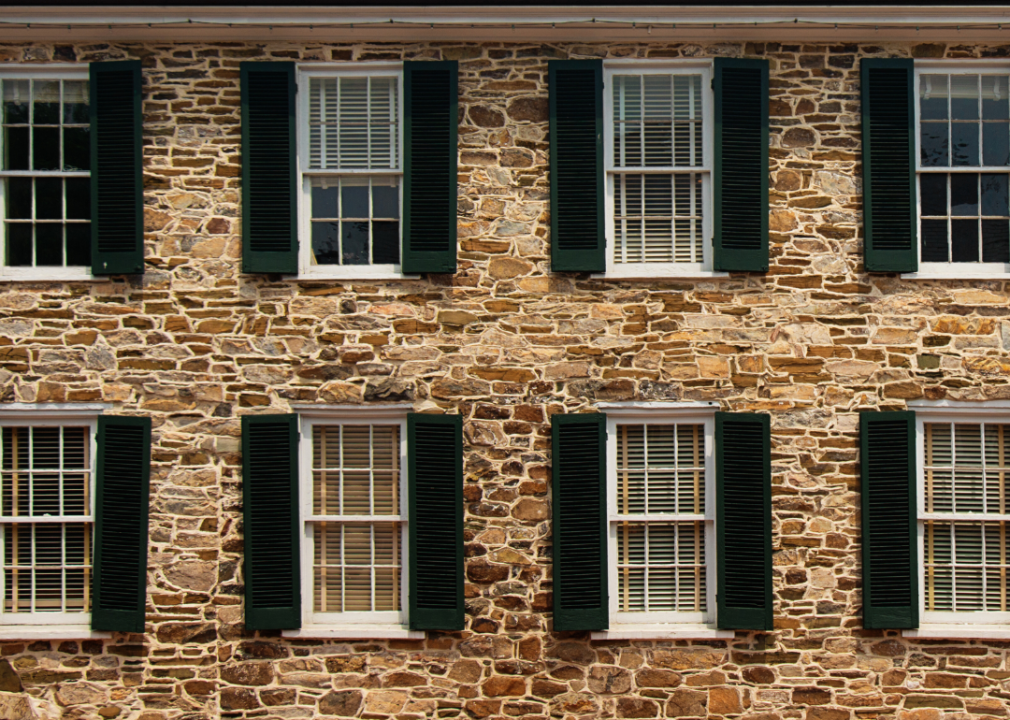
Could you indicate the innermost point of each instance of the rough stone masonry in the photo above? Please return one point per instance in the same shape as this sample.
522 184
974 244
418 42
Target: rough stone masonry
195 344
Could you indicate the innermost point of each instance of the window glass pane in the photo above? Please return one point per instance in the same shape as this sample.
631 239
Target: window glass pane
995 241
49 198
933 140
46 102
16 95
16 147
75 102
964 245
78 244
933 97
386 243
964 194
933 194
19 244
45 148
964 144
49 244
996 143
76 149
19 198
385 199
354 198
78 198
994 194
354 242
325 243
325 198
964 97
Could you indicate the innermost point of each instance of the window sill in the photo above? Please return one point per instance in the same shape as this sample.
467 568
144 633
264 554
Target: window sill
660 275
966 632
363 274
965 275
51 632
359 632
49 275
661 632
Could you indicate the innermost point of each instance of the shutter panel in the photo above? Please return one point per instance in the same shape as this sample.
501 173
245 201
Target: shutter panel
578 240
435 525
579 517
430 154
740 179
743 520
122 489
269 154
887 469
117 181
889 203
270 515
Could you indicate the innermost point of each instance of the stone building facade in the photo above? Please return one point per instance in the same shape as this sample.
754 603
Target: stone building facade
195 344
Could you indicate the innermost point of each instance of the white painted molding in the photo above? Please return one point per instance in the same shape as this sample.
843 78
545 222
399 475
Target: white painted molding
950 407
365 408
363 632
61 409
662 632
614 23
960 632
637 408
50 632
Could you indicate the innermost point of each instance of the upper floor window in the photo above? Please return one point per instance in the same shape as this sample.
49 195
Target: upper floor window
658 157
46 186
351 170
963 168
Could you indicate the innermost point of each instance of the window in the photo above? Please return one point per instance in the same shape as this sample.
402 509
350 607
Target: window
46 205
963 517
46 489
351 170
658 156
660 480
354 515
962 166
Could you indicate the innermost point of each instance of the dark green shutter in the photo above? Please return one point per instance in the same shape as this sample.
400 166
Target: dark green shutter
579 446
430 154
887 470
117 176
740 178
743 521
269 154
122 489
435 491
270 516
889 203
578 240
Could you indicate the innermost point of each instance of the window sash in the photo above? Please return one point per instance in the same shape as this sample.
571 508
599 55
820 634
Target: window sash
704 520
312 520
16 529
629 254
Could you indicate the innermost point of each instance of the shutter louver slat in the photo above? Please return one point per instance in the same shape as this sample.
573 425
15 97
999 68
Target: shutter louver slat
270 514
117 203
743 521
269 154
435 476
889 198
123 475
576 165
887 469
430 166
579 518
740 181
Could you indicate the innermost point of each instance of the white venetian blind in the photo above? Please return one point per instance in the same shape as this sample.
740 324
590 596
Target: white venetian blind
660 500
966 472
658 167
45 510
353 123
356 518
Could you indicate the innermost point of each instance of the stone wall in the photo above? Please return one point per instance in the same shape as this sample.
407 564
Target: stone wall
195 344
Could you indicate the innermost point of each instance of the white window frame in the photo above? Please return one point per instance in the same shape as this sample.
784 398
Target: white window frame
52 625
645 271
951 270
948 624
662 624
304 74
349 625
51 71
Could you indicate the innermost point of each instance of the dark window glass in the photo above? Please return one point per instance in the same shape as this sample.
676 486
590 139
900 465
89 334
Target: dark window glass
965 144
964 240
995 199
386 243
46 94
49 244
324 202
16 148
78 244
49 198
19 198
76 149
996 143
354 239
45 148
963 194
354 201
996 241
933 141
934 241
326 243
79 198
933 193
385 201
19 244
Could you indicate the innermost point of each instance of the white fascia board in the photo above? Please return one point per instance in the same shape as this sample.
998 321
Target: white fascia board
888 23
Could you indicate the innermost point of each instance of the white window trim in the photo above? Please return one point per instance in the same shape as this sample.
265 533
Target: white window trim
655 271
358 625
306 269
951 270
936 624
667 625
52 626
49 71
